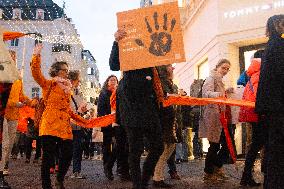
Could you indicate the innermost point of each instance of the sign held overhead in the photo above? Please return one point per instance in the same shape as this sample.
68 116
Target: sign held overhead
154 37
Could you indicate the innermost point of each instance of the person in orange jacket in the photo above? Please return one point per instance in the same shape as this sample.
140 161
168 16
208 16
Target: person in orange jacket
55 129
16 100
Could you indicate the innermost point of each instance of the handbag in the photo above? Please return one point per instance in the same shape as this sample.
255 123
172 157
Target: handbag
40 109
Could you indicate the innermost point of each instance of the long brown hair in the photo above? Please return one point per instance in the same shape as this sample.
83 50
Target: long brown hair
272 25
105 86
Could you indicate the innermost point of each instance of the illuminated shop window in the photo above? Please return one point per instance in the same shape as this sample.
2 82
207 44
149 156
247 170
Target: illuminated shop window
203 70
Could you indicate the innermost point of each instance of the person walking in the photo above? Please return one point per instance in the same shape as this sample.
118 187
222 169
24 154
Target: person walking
55 129
168 123
16 100
139 114
210 124
270 101
104 108
248 115
79 106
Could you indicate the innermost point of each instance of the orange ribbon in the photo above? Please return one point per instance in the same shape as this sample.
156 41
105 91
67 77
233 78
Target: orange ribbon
172 100
191 101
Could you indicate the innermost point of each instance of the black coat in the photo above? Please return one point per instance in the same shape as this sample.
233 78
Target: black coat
137 98
104 107
270 93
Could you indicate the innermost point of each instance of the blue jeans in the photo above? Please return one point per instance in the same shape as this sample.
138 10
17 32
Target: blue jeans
182 149
77 150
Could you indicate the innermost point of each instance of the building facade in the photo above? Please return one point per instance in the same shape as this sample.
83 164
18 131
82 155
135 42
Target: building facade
91 81
59 37
223 29
145 3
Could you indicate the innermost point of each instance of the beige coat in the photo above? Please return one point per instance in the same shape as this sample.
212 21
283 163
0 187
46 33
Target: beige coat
209 124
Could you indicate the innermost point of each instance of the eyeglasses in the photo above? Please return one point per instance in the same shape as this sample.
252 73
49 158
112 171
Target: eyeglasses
224 68
65 70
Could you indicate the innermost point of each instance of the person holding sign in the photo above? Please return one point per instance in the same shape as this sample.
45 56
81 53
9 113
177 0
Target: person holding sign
139 113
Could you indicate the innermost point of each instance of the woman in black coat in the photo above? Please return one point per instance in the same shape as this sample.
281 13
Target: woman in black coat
139 115
270 101
104 108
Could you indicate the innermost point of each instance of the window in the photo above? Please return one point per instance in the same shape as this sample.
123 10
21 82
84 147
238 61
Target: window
35 92
40 14
15 42
38 39
246 54
60 47
92 100
180 3
1 13
203 70
89 84
93 85
91 71
17 14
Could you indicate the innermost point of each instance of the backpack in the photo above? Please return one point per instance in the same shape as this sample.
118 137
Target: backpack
196 91
243 79
40 109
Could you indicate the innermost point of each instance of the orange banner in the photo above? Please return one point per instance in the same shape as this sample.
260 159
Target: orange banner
107 120
102 121
191 101
12 35
154 37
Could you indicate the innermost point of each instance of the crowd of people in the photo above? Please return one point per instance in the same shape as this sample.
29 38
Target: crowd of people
165 135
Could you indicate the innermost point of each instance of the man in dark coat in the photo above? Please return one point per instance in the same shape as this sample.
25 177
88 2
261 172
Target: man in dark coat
139 114
270 101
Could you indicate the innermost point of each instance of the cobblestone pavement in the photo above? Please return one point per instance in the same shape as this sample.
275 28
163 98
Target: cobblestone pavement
27 176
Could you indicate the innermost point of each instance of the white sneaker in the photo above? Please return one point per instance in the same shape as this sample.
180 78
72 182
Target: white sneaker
77 175
80 176
190 158
73 175
5 172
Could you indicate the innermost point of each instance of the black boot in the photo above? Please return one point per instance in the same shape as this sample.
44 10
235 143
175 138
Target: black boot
249 181
108 174
4 184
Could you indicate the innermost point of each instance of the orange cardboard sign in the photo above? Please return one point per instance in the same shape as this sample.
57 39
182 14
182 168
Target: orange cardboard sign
154 37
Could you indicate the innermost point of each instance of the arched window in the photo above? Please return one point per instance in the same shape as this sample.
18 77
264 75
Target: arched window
39 14
17 14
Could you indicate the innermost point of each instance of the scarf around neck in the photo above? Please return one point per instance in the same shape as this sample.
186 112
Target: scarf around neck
64 84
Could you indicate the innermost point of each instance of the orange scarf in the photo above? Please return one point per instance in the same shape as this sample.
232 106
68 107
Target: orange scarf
157 85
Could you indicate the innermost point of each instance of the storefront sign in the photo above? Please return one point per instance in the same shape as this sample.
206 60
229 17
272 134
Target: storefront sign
154 37
254 9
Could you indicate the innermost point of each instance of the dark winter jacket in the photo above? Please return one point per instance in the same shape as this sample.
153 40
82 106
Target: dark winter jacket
270 96
186 116
104 107
167 114
137 98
